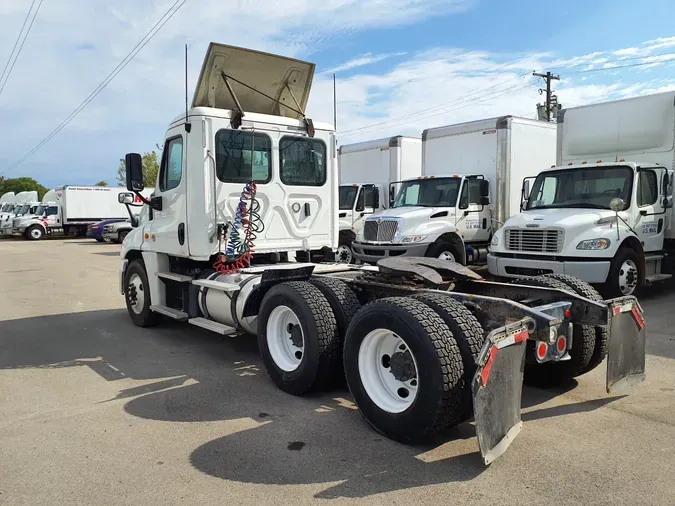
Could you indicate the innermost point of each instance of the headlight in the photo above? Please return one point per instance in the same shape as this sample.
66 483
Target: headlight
591 244
495 240
412 238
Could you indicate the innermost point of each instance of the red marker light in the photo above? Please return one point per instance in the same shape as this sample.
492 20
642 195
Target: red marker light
568 313
562 344
542 348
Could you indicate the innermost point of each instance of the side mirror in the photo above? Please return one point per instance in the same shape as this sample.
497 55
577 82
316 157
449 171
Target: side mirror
377 198
392 195
526 189
134 165
667 202
484 192
617 205
125 198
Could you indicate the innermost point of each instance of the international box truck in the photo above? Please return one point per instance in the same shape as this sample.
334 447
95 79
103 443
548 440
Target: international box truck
471 174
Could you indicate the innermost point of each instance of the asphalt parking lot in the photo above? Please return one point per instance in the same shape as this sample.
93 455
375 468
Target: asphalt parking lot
96 411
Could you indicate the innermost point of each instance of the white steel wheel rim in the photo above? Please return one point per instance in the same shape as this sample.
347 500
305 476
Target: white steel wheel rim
281 325
628 274
447 255
383 388
36 233
344 254
136 284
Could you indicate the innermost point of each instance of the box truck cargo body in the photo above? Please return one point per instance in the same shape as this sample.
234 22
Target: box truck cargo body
604 212
70 209
470 172
368 175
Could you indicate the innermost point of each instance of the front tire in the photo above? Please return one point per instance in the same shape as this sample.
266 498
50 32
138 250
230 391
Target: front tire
298 338
35 233
137 296
624 274
404 369
443 250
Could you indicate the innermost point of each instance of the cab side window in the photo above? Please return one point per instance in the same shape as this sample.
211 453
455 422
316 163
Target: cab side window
171 171
470 193
369 197
648 188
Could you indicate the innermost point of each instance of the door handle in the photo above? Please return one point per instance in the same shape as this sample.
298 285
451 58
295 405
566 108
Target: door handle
307 209
181 234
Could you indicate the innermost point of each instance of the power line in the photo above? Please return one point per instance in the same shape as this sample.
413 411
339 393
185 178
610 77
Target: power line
127 59
6 73
436 107
621 66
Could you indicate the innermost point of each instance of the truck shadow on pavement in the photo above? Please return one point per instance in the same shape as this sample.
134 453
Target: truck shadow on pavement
190 375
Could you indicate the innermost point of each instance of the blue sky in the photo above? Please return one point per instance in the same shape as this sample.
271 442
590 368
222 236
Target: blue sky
402 66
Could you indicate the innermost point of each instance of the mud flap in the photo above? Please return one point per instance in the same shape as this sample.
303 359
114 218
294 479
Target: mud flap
626 349
497 389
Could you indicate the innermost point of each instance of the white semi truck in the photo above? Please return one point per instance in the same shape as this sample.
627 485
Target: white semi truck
604 212
25 204
368 173
245 174
470 173
70 210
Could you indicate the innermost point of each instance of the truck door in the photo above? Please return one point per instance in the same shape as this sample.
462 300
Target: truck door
168 232
366 204
473 219
651 216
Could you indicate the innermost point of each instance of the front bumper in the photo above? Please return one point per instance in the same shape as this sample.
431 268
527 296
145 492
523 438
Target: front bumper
371 253
592 271
111 236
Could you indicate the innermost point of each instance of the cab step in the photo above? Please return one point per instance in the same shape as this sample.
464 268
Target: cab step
213 326
216 285
176 314
172 276
653 278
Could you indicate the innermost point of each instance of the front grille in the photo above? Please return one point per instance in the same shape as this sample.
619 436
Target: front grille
15 222
380 232
540 241
107 228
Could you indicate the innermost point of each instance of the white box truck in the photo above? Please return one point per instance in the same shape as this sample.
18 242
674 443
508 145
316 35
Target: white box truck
244 174
368 173
470 171
604 212
70 209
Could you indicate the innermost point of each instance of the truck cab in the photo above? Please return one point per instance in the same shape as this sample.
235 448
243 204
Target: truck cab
356 203
605 223
21 210
447 217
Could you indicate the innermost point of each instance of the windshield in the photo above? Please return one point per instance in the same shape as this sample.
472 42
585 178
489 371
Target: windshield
8 208
585 188
40 210
347 197
22 210
437 192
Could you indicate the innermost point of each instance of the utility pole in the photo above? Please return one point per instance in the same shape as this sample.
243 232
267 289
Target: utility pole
548 77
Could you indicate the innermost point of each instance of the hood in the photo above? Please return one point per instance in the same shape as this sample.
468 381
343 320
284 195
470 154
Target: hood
270 74
564 218
411 213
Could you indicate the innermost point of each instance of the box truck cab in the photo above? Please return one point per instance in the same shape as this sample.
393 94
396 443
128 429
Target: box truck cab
603 213
470 171
369 172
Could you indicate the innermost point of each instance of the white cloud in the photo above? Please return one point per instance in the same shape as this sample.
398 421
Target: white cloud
360 61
